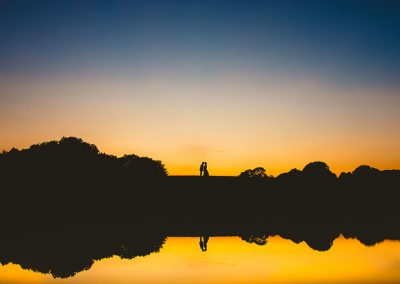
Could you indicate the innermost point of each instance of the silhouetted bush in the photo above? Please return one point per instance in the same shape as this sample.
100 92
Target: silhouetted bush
71 177
318 170
72 156
258 172
133 166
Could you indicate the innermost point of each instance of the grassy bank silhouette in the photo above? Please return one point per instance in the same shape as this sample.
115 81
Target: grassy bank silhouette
73 179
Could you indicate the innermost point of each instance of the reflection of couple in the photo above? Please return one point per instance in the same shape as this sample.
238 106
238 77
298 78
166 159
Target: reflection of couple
203 243
203 169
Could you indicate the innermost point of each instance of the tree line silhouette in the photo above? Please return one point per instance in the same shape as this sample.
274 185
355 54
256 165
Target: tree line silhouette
72 156
71 178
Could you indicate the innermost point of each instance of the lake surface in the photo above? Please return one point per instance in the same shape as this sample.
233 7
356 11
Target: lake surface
232 260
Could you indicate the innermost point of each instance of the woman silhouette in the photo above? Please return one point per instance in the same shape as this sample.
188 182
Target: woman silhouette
205 170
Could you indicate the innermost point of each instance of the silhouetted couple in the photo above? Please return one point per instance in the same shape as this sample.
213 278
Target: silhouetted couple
203 169
203 243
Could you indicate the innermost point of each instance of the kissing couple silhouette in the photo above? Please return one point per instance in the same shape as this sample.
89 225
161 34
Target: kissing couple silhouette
203 169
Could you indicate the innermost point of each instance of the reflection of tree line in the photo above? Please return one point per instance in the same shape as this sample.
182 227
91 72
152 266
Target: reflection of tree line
65 250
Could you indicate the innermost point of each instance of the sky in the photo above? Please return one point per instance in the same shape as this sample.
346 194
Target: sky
238 84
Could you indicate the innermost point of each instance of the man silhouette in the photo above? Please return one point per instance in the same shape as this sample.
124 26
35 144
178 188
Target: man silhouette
201 168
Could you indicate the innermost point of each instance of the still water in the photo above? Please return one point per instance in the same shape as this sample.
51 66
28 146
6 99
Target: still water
232 260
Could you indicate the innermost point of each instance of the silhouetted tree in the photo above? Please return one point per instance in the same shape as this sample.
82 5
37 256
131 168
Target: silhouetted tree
258 172
135 166
293 173
365 170
318 169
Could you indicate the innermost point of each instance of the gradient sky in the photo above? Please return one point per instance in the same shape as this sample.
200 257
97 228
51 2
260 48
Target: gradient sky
237 83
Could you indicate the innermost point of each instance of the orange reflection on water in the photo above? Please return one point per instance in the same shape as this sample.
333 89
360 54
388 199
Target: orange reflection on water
231 260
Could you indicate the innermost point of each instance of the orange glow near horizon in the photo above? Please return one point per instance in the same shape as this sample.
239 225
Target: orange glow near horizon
234 122
231 260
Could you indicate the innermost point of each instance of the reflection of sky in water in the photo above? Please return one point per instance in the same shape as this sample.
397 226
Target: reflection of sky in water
231 260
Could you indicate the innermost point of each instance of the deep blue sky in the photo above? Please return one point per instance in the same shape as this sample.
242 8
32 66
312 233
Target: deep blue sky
349 41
